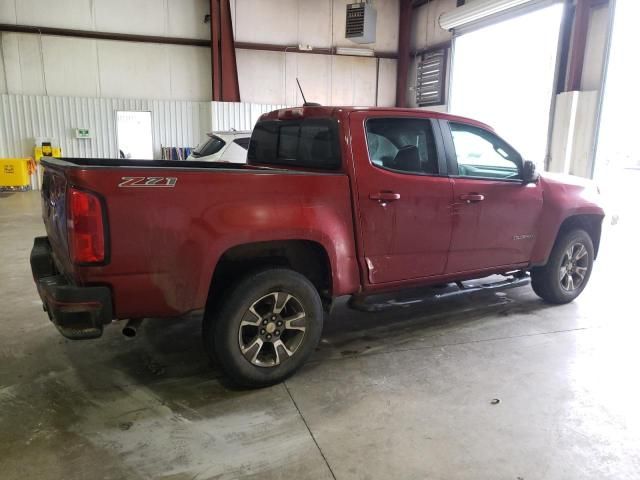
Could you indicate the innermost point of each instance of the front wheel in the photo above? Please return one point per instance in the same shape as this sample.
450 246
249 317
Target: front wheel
267 327
568 270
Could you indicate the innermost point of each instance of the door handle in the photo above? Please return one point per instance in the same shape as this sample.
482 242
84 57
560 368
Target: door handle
384 197
472 197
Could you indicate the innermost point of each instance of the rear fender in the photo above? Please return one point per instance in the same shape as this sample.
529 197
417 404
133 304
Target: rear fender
336 240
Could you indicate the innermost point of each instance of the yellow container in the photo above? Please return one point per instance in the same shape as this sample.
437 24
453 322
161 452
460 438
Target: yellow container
14 172
38 153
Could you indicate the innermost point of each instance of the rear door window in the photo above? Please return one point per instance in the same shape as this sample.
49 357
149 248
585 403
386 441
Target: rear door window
405 145
309 143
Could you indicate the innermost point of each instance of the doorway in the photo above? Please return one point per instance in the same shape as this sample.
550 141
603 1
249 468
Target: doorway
509 84
617 159
617 148
135 137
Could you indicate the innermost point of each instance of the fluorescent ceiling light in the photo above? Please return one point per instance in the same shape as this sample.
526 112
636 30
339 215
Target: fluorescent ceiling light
360 52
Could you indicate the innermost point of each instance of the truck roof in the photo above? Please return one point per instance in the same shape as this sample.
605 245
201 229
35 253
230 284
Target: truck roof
327 111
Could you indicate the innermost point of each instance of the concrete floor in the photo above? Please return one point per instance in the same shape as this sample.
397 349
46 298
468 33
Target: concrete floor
404 395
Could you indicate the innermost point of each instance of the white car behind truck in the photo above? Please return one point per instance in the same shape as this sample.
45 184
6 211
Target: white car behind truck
223 147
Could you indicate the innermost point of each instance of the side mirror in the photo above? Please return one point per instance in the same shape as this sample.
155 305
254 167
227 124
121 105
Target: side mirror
529 173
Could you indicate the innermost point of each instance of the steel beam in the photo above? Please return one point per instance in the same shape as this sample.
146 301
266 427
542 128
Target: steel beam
230 87
404 52
224 70
578 45
124 37
194 42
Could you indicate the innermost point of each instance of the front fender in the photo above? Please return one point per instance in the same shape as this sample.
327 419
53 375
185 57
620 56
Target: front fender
564 197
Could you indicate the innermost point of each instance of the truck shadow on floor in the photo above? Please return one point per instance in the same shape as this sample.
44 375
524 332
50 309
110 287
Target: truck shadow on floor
164 379
481 315
166 349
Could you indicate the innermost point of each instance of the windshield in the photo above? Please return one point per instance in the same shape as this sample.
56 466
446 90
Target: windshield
210 146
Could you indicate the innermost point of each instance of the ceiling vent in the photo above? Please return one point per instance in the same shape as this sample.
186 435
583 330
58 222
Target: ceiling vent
361 23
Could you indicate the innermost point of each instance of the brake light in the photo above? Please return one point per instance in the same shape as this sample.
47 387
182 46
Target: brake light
290 113
86 227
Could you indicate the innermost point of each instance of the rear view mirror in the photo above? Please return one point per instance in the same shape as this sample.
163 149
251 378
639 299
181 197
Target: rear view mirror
529 173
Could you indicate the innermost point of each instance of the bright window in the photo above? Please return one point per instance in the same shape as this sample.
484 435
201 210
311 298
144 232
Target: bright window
135 139
509 84
481 154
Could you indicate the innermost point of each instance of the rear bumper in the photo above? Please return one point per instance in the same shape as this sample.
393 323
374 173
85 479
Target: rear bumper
77 312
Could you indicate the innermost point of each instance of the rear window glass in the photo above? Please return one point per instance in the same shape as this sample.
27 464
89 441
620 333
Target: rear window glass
288 144
243 142
311 143
210 146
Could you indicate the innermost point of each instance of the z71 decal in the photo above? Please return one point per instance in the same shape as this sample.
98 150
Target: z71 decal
148 182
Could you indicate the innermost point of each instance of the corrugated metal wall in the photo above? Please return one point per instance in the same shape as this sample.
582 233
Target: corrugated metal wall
27 117
238 116
175 123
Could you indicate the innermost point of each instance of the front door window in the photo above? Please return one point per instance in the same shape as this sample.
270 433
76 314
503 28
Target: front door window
481 154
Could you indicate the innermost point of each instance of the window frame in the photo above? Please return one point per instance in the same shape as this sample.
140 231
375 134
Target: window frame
437 138
452 159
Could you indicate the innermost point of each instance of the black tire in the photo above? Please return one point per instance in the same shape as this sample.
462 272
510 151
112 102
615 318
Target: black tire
550 282
227 328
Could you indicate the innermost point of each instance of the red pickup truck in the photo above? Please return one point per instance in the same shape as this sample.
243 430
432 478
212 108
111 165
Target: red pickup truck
388 206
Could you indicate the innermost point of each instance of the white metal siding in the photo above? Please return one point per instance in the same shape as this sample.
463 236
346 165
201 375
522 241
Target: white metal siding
26 117
238 116
23 118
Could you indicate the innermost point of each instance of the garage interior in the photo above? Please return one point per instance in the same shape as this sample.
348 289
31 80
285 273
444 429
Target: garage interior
488 386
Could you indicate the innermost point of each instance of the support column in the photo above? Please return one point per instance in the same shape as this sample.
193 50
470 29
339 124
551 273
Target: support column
404 52
578 44
224 70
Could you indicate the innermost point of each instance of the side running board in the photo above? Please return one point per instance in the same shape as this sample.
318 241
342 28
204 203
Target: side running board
407 298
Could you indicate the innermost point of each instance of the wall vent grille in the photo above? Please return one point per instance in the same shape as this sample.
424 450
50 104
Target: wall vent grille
361 23
355 20
430 81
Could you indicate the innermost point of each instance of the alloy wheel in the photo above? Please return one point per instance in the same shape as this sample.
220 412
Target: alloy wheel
272 329
573 267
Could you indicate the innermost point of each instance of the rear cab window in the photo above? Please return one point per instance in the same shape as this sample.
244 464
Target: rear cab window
304 143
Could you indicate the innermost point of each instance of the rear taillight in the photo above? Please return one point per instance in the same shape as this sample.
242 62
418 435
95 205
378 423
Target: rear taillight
86 227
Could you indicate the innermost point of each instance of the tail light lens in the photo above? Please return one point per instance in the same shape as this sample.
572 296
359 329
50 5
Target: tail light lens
86 227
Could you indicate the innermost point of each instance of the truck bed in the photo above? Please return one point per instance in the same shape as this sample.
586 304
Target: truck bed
163 243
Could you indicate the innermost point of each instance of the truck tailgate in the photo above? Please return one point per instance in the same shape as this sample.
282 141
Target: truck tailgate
54 215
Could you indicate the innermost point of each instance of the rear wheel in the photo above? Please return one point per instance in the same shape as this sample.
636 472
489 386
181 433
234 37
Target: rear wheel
568 270
266 328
